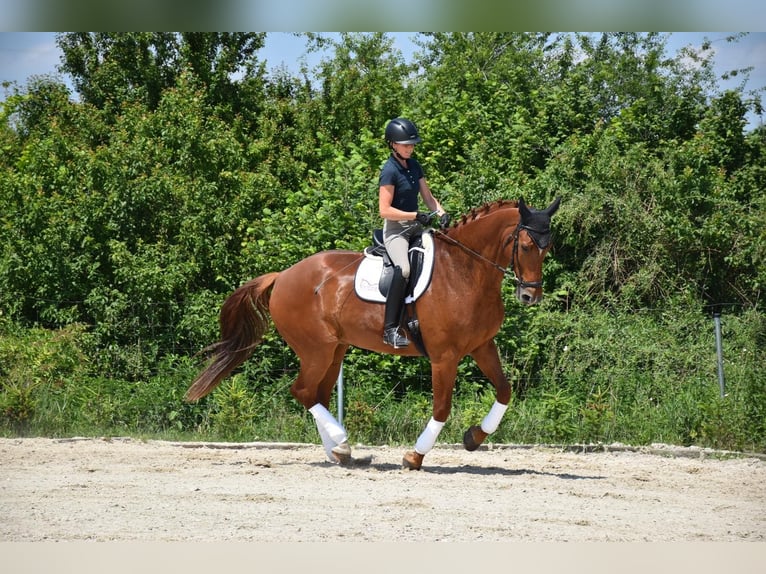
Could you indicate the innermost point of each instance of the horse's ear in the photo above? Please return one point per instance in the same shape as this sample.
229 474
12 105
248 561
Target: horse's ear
523 209
553 207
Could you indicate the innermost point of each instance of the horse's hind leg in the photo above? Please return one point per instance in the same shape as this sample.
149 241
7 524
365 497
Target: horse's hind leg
336 452
324 392
313 388
488 360
334 436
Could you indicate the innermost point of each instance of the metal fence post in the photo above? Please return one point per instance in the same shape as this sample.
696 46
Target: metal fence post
719 351
340 395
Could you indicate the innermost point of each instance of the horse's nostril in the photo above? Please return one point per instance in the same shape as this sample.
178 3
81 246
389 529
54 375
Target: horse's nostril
525 297
528 297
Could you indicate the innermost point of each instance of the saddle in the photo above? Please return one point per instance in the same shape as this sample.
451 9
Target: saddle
373 276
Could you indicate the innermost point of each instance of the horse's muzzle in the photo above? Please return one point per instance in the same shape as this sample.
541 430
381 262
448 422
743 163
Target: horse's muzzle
529 295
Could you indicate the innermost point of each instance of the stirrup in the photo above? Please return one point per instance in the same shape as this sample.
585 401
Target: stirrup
392 337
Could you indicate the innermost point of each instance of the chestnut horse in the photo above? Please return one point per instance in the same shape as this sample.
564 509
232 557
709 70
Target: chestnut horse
317 312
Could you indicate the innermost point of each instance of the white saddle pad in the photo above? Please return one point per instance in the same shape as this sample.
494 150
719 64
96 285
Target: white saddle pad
369 270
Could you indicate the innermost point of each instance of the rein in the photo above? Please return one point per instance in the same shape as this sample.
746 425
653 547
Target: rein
507 271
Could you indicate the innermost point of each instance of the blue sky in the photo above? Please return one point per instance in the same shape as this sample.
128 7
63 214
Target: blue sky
24 54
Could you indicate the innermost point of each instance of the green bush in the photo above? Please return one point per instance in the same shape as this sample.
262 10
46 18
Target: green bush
34 362
604 377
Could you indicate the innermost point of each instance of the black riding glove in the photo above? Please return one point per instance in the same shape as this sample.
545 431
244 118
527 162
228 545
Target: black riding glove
444 220
424 218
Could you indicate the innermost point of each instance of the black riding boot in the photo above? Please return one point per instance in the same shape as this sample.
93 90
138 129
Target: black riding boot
393 315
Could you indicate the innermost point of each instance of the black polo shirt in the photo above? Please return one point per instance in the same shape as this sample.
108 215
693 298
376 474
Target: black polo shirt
406 182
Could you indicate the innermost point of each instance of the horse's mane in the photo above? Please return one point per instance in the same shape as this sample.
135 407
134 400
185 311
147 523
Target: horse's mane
482 210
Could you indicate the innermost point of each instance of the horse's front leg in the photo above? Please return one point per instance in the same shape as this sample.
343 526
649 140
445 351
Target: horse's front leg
488 360
443 382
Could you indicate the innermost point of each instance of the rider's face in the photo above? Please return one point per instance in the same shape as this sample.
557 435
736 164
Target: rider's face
405 150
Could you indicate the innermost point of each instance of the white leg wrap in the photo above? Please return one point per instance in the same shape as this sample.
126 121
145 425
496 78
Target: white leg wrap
427 438
492 420
327 425
327 442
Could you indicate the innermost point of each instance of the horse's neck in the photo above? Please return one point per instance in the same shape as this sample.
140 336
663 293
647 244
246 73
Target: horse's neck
489 235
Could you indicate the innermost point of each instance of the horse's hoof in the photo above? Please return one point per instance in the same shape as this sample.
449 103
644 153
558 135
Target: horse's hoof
412 460
342 454
473 437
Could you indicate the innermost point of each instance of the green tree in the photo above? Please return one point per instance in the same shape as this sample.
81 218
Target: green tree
110 68
476 107
363 85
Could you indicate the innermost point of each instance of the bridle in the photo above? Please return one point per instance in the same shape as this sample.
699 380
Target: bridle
515 255
509 271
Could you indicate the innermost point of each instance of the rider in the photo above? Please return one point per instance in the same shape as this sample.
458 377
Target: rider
401 180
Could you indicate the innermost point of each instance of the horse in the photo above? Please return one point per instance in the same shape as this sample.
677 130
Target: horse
316 311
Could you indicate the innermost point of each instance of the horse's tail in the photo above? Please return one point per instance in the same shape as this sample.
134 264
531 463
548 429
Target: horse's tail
244 319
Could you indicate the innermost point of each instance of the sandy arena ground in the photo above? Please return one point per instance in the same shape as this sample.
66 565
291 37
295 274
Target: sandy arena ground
132 490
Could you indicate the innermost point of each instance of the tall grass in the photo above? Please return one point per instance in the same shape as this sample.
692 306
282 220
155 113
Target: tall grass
597 377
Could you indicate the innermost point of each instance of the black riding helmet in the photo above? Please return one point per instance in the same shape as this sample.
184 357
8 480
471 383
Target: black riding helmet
402 131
